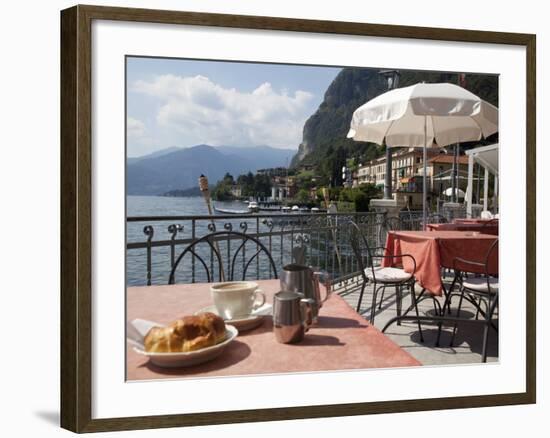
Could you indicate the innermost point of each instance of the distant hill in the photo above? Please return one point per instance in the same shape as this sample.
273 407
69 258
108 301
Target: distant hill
260 156
194 191
179 168
132 160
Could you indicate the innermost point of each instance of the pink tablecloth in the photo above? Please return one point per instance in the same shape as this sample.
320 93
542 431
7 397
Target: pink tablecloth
341 340
488 228
435 249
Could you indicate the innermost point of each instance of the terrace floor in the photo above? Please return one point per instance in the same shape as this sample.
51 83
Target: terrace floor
468 339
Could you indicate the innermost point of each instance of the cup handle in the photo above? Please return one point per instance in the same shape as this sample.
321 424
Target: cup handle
306 310
324 278
257 305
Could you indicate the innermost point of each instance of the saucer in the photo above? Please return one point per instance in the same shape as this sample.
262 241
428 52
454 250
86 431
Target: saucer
244 323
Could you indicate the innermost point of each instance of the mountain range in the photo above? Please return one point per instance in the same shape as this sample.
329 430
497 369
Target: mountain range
178 168
324 143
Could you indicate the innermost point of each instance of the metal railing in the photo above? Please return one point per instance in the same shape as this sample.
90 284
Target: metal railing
154 242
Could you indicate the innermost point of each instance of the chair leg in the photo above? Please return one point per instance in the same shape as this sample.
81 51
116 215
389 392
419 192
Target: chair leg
479 307
415 304
440 324
485 342
489 316
446 306
457 315
382 298
361 296
373 305
450 293
398 301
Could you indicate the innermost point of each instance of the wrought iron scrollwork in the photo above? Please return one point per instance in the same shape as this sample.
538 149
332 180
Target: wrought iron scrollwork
269 224
325 238
149 231
173 229
302 238
210 240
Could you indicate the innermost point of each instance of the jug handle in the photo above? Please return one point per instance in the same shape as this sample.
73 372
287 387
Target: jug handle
328 287
306 310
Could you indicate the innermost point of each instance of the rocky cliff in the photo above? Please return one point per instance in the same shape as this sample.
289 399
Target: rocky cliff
324 134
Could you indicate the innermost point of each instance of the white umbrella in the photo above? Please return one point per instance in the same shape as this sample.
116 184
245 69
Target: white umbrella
449 192
424 115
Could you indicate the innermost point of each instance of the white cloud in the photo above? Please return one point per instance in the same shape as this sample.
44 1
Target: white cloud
140 140
135 128
202 111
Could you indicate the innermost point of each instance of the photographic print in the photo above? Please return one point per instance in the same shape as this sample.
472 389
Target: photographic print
286 218
302 217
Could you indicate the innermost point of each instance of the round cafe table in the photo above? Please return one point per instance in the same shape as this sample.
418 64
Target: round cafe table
433 250
341 340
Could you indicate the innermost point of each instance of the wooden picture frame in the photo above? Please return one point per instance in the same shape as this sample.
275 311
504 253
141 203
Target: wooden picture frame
76 217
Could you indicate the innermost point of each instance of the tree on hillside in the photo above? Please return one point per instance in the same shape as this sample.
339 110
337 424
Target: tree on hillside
228 178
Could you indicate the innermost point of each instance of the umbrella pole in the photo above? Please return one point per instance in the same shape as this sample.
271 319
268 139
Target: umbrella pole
424 180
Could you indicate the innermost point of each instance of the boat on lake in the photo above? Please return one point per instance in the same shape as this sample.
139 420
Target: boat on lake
253 206
229 211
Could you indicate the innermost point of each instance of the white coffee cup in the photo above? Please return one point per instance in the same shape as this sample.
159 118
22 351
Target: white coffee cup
236 299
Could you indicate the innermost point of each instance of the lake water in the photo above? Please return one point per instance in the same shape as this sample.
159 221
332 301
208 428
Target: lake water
280 236
136 259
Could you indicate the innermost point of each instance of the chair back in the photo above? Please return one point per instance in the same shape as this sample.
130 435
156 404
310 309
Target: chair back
229 254
490 227
363 252
488 268
436 218
491 261
389 224
490 223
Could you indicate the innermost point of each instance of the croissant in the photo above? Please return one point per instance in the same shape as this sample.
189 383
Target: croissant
189 333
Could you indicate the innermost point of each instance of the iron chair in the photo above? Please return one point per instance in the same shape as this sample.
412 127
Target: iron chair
382 277
206 250
388 224
436 218
487 226
473 287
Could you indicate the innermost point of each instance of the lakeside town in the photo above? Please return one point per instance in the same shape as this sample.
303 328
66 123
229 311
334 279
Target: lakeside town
283 188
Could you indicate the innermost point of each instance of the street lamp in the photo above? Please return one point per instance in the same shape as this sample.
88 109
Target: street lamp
392 81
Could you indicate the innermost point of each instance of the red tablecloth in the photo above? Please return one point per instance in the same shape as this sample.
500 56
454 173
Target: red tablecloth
435 249
341 340
482 228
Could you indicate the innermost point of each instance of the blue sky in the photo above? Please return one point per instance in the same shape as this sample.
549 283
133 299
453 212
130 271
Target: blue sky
178 102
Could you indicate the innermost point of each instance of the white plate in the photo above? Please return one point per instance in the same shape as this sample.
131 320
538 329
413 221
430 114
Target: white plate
138 328
246 323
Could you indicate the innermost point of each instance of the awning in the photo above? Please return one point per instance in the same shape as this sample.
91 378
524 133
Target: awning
486 156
